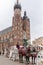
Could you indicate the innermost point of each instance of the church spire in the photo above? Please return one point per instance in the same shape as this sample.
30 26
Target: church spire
17 1
17 5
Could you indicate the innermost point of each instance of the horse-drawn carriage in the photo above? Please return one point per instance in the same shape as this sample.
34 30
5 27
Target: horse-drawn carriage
19 53
27 52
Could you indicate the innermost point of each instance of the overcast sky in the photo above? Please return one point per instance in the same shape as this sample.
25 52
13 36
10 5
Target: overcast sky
34 10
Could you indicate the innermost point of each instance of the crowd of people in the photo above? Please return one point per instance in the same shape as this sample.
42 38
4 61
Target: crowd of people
25 52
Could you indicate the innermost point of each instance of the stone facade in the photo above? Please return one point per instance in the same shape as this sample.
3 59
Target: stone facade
19 30
38 43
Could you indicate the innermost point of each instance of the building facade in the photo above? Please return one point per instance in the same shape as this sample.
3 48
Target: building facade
19 30
38 43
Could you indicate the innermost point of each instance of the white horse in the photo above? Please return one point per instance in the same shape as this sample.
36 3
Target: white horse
5 52
14 53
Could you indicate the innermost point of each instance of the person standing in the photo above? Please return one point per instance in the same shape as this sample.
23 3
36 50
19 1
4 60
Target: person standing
33 55
27 54
18 46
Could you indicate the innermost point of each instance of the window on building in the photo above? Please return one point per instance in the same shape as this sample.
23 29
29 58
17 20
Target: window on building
24 35
24 25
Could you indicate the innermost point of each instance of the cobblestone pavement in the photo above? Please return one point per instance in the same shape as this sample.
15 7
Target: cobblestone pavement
6 61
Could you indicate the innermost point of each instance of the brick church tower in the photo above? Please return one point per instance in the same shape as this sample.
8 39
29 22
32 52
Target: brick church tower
20 26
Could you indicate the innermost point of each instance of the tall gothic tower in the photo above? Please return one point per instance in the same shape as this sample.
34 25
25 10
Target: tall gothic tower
26 27
20 26
17 24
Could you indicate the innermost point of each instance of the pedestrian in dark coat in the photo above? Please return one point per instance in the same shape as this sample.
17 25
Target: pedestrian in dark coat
27 54
33 55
